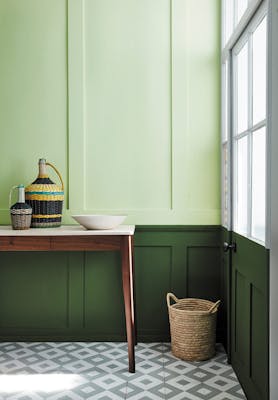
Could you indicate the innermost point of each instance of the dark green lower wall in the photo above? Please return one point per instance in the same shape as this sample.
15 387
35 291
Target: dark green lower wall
78 296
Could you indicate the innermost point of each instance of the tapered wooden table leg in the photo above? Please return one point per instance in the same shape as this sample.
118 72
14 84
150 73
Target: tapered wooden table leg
127 276
134 293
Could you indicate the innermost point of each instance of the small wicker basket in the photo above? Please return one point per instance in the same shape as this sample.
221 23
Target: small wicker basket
192 327
21 212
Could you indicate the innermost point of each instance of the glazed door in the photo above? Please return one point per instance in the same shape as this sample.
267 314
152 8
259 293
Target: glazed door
245 254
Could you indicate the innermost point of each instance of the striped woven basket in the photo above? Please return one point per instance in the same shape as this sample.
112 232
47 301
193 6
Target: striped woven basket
46 199
192 326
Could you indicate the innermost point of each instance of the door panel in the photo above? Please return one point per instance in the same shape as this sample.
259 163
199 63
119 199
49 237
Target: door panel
249 316
241 330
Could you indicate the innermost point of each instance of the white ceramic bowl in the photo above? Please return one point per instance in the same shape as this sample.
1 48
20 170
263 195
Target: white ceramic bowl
99 221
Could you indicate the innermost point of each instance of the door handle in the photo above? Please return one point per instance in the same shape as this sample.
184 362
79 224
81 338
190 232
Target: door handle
229 246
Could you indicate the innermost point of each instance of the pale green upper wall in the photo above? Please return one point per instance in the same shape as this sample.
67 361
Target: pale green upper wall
122 96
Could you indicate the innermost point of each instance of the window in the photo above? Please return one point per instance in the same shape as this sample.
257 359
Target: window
244 129
249 131
228 20
225 146
233 10
241 7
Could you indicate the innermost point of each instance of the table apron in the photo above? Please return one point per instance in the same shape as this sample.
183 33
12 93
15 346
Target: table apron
61 243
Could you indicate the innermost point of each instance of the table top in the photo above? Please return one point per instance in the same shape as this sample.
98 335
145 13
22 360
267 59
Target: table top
67 230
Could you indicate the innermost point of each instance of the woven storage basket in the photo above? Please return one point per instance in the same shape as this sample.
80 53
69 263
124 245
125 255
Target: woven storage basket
192 327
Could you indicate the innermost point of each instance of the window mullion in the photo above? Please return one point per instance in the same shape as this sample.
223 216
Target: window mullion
259 125
234 150
250 124
235 15
230 91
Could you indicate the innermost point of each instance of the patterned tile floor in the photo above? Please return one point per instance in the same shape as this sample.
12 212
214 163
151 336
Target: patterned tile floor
77 371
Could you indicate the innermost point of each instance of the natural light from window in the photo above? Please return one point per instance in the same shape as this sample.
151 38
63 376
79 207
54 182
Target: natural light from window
258 184
241 8
39 382
242 185
242 89
259 73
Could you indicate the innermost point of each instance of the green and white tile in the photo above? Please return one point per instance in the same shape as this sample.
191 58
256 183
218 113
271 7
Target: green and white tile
98 371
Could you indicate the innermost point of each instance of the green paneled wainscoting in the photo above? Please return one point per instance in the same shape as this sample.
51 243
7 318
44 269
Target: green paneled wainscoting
78 296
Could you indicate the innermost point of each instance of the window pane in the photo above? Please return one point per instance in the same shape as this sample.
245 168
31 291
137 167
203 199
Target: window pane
241 8
225 102
241 186
259 73
242 89
258 184
228 27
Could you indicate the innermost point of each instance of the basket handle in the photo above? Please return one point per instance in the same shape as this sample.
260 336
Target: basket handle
57 172
10 196
214 306
169 297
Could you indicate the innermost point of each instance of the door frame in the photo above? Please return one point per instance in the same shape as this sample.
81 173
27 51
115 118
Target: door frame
273 198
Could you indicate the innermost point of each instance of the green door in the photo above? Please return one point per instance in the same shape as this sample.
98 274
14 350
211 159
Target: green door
244 161
249 316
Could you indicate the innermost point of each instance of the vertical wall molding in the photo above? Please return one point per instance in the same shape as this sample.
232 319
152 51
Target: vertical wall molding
171 106
76 104
67 196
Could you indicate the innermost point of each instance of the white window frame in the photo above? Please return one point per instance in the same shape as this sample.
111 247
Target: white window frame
252 17
247 38
225 142
237 26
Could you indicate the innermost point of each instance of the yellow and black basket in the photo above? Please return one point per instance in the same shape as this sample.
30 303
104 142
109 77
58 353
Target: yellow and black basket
46 199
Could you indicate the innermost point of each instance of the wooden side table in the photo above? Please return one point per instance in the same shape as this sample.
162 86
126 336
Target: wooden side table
76 238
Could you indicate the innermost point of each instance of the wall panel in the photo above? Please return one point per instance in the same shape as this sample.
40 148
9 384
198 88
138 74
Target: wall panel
78 296
122 96
34 291
103 299
143 139
33 91
203 264
153 281
127 69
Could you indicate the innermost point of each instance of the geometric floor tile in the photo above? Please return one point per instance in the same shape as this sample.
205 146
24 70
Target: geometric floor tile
98 371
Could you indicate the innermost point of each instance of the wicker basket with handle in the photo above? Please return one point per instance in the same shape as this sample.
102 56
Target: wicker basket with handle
192 327
21 212
45 198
